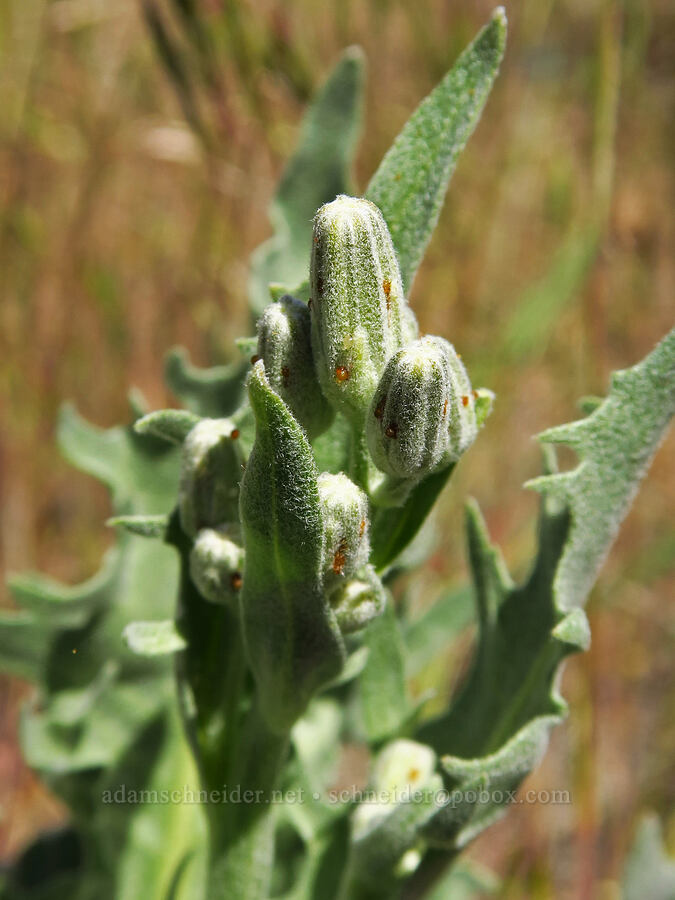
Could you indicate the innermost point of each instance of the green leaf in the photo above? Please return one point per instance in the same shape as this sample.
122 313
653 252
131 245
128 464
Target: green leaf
432 632
153 844
649 871
465 881
24 643
383 694
293 641
615 444
143 526
539 309
331 449
171 425
153 638
214 392
393 529
490 779
522 640
95 693
410 184
316 173
65 605
140 470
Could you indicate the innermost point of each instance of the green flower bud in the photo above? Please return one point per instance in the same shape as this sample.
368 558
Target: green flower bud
344 509
208 495
358 601
422 415
284 344
357 302
216 565
402 769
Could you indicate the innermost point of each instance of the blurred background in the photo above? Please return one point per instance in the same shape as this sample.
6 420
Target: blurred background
138 155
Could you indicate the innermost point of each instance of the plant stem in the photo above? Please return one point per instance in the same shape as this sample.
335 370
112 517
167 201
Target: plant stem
240 760
359 458
242 828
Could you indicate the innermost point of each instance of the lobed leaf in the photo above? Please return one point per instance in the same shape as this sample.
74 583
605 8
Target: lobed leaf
214 392
615 444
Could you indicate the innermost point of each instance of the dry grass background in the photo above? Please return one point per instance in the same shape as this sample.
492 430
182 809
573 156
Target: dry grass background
552 265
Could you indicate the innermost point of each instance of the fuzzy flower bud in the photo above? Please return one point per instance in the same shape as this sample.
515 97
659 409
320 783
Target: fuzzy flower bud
344 509
216 564
423 413
357 302
208 494
358 601
284 345
402 768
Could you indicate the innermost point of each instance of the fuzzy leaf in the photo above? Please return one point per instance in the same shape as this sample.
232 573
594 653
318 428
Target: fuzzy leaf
393 529
171 425
153 638
382 686
24 643
143 526
95 693
615 444
409 186
317 172
151 849
293 641
139 470
213 392
432 633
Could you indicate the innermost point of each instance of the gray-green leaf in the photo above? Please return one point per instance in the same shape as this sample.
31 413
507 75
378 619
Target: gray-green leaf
615 443
410 184
317 172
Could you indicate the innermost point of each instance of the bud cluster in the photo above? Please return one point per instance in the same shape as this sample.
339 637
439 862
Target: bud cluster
411 396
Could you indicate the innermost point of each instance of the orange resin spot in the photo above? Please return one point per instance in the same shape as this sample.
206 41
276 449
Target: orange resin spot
236 581
362 527
254 359
234 434
445 407
340 557
465 400
341 374
413 774
379 409
391 430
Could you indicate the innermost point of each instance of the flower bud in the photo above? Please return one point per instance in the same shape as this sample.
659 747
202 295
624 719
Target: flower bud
344 509
358 601
216 564
208 495
402 769
284 345
422 415
357 302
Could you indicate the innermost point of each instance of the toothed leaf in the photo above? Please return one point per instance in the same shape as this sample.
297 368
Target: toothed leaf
615 445
171 425
214 392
